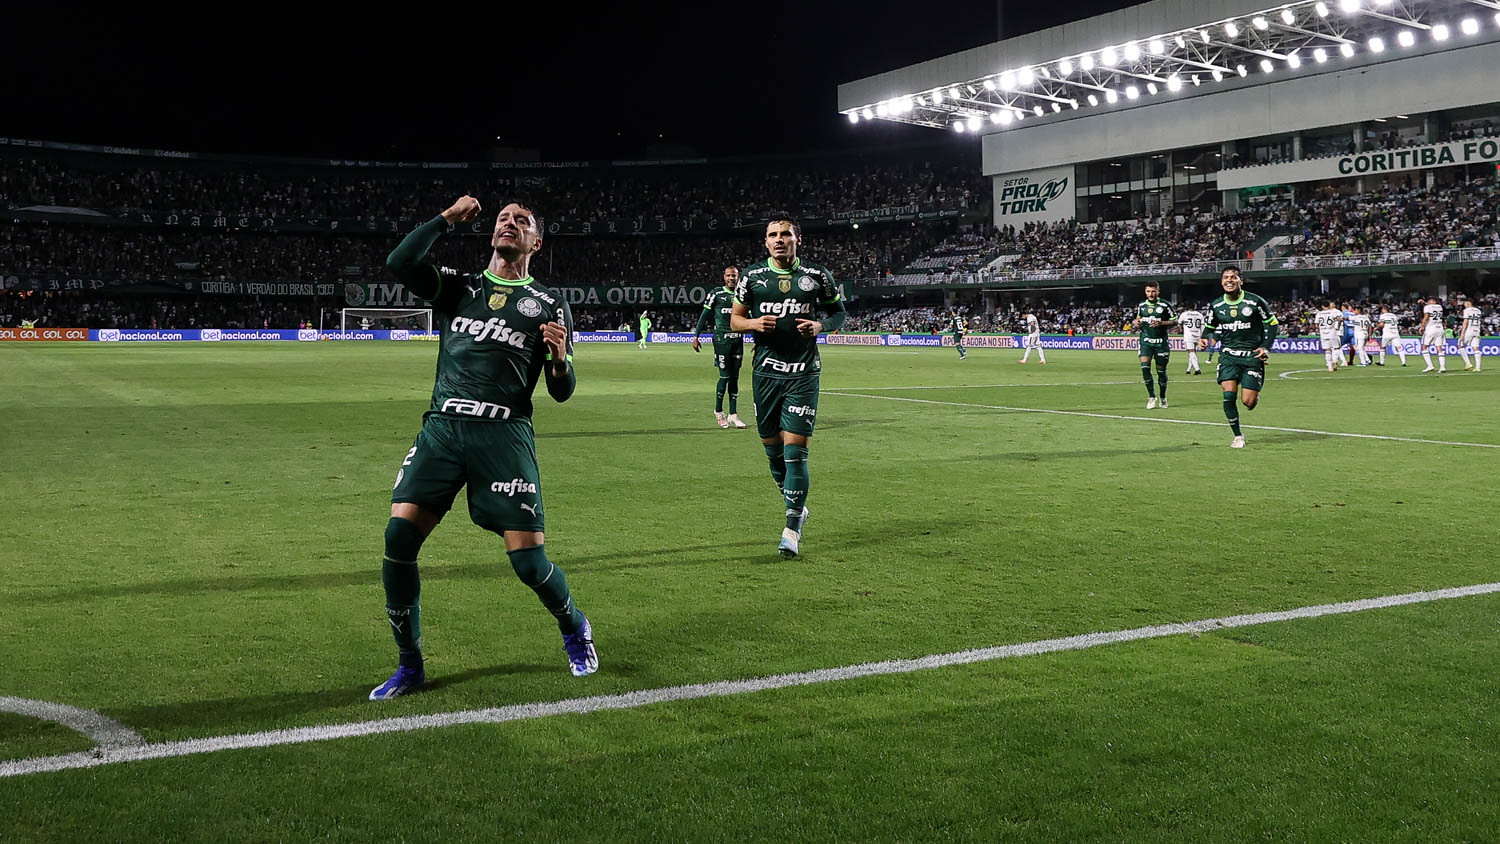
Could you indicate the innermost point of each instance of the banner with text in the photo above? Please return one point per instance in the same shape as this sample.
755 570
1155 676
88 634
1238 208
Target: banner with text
217 288
395 295
1035 196
42 334
1372 163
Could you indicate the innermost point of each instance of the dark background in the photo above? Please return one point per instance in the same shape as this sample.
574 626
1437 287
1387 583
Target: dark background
447 81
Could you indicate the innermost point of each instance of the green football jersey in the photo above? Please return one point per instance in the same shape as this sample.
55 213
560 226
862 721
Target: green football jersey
717 309
490 350
1242 325
959 327
1161 310
787 295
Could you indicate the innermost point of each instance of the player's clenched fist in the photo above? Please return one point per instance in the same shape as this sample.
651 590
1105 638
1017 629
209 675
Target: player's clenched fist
465 210
763 323
556 338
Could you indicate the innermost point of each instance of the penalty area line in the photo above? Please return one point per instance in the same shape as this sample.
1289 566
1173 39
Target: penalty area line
1091 415
646 697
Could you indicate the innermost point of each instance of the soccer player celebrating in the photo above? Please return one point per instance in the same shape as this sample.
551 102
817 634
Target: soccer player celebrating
1468 336
959 330
729 347
500 332
1390 335
1192 329
786 303
1432 336
1330 322
645 323
1154 318
1361 325
1033 339
1246 328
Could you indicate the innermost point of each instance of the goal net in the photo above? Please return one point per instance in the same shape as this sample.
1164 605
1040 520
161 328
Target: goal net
415 319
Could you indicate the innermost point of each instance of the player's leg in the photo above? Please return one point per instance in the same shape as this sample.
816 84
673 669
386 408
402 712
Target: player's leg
1026 349
1440 346
1041 354
1229 384
1192 353
799 415
1145 361
1252 381
429 478
734 357
1384 342
1478 359
1426 348
767 393
1401 349
1163 360
505 497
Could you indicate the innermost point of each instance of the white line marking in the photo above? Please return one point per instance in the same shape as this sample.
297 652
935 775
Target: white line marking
1160 419
1288 375
984 386
646 697
106 731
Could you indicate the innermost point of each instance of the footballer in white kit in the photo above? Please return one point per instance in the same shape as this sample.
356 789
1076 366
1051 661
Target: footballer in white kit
1361 322
1192 332
1330 322
1390 335
1033 339
1432 336
1468 336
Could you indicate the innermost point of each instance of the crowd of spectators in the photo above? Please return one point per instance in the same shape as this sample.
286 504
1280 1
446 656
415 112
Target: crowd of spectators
1390 139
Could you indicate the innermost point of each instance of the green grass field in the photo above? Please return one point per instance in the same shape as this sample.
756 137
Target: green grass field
192 540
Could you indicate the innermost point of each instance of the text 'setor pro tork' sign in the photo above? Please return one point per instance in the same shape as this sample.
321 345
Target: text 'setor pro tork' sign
1035 196
1371 163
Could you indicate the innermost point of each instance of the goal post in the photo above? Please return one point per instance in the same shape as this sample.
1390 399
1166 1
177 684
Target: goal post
385 318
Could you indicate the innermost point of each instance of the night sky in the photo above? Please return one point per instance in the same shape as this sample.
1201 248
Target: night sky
441 81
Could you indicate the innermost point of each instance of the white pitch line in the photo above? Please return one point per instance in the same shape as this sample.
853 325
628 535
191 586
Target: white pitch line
1090 415
106 731
647 697
986 386
1288 375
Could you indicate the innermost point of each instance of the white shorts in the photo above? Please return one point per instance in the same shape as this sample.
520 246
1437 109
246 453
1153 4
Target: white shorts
1389 340
1033 341
1332 343
1360 340
1190 342
1470 339
1433 338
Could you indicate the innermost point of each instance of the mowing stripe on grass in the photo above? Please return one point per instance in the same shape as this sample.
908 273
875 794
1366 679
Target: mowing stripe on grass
646 697
1158 419
107 732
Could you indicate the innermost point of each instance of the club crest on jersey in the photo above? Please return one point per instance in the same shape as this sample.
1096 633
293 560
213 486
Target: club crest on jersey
1245 311
529 307
786 285
807 284
498 300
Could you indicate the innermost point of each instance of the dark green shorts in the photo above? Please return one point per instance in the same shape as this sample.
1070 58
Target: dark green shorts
1159 349
497 460
785 404
728 355
1249 372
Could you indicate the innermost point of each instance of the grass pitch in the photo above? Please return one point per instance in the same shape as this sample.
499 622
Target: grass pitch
193 535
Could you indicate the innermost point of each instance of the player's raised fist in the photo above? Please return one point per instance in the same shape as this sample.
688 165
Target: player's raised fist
465 210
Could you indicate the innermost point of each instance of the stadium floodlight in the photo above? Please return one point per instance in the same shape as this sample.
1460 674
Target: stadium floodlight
995 116
1132 92
1197 81
1093 100
1181 43
1218 76
1151 88
1008 81
1232 30
1111 97
989 84
1037 110
882 110
1240 69
1440 32
922 101
1266 66
1203 36
1004 117
1497 19
937 97
1064 67
953 93
1346 49
1321 8
1470 26
1025 76
853 117
1260 22
1108 57
1174 83
1320 55
958 126
1293 61
1020 115
1056 108
1349 6
1073 103
1155 47
1132 52
868 115
1377 44
973 124
1287 17
1405 38
1086 61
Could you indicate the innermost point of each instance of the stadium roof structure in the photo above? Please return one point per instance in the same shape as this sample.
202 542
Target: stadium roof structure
1159 50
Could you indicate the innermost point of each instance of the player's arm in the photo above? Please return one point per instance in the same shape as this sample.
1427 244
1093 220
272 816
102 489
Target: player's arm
739 315
831 310
705 317
1270 325
1207 337
407 262
1171 319
557 340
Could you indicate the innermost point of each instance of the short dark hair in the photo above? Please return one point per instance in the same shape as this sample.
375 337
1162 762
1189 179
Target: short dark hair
784 217
530 209
1231 268
1155 284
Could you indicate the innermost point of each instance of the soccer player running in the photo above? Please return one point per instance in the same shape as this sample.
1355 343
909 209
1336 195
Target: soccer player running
1361 325
1192 329
645 324
1468 336
1246 327
959 330
729 348
1155 318
1033 339
1390 335
1330 322
499 332
786 303
1432 336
